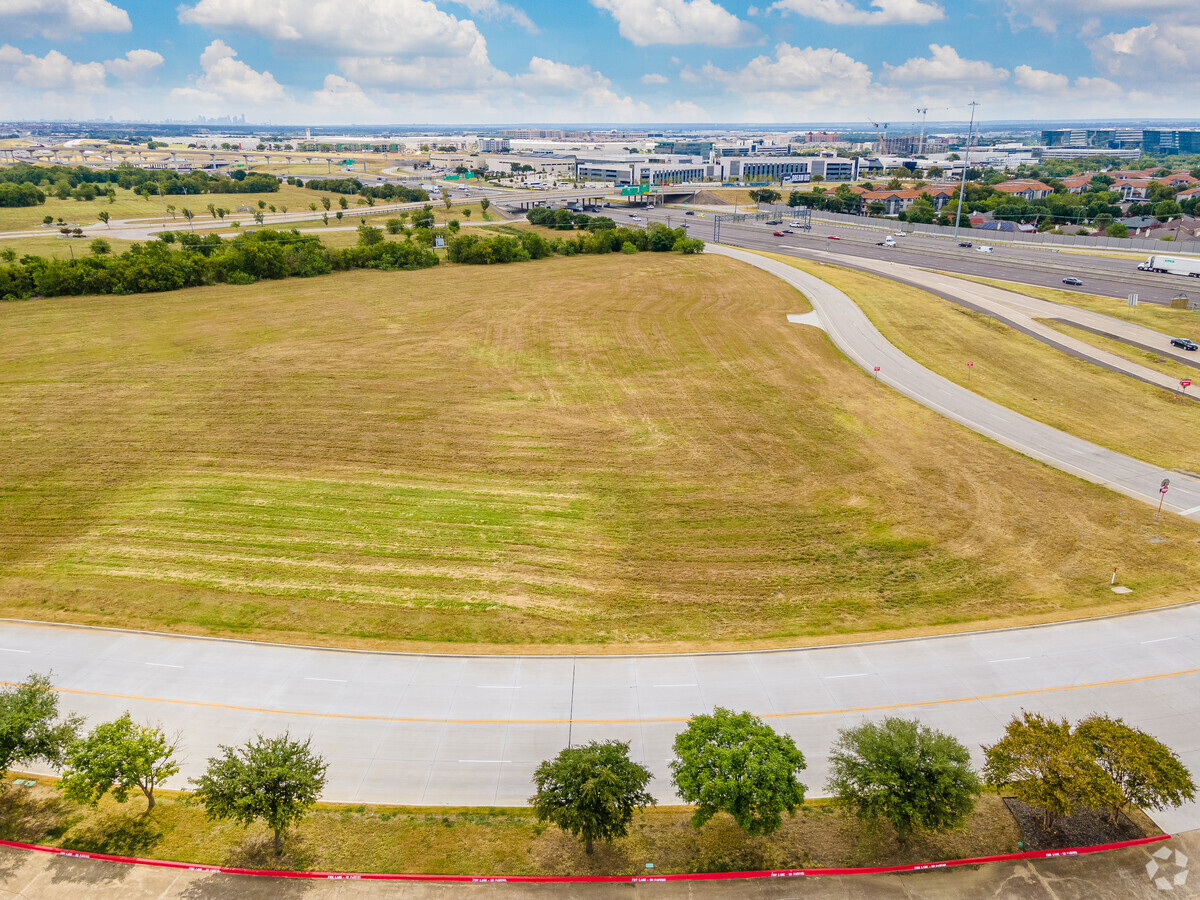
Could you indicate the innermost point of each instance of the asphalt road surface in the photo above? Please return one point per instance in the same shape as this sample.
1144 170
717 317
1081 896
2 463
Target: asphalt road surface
469 730
1106 276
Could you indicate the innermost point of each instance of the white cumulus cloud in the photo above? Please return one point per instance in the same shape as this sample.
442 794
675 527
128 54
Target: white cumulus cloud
493 9
1031 79
52 72
1048 14
879 12
57 19
383 28
225 77
943 66
655 78
1151 52
646 22
135 64
794 68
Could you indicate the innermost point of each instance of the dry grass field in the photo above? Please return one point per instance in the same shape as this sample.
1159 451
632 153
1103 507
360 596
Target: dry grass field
624 451
1175 322
1026 375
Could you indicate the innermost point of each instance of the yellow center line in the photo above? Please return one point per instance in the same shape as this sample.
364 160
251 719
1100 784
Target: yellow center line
431 720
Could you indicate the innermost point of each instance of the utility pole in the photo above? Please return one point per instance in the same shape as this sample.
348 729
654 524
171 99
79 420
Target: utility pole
962 187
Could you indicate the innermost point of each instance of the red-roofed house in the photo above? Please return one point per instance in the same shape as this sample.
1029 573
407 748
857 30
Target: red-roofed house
1077 184
1133 188
1030 190
1178 179
893 201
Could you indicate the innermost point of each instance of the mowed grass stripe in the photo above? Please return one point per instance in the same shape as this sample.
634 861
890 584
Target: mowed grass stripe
627 451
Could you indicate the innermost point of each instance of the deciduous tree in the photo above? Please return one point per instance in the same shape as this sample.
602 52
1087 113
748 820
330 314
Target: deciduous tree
1145 773
1045 764
30 728
733 762
902 772
591 791
274 779
119 756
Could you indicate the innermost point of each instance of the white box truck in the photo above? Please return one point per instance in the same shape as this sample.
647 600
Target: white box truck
1172 265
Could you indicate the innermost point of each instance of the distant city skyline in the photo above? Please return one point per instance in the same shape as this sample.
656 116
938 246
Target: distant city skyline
364 62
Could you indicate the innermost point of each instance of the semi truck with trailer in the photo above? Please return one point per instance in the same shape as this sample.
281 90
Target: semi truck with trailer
1172 265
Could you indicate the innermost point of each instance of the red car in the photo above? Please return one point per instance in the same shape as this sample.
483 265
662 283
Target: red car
777 233
834 237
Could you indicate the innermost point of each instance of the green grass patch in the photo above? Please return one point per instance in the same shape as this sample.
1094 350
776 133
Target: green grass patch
481 841
577 453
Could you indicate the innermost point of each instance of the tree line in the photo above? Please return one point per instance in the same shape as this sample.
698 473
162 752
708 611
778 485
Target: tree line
385 191
895 771
29 185
475 249
182 259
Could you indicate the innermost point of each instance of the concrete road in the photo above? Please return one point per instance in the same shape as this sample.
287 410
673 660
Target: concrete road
1027 314
1117 875
855 336
1106 276
447 730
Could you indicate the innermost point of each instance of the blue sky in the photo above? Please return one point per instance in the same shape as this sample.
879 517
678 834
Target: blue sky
580 61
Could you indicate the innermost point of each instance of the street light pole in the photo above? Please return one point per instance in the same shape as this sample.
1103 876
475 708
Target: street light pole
962 187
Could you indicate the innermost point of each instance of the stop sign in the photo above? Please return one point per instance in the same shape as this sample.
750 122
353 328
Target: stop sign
1185 382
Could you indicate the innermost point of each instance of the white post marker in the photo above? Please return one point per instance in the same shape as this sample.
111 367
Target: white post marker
1114 578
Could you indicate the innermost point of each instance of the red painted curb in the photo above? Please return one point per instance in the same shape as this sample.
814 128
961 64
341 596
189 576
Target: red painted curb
577 879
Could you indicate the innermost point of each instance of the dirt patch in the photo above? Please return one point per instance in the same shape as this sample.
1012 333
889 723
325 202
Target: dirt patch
1086 828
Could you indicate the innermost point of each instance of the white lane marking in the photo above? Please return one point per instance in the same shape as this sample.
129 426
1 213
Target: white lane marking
498 687
164 665
1010 659
1159 640
492 761
1188 512
691 684
855 675
335 680
10 650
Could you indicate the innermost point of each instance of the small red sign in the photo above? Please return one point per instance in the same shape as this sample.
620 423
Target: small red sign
877 368
1163 489
1185 383
970 364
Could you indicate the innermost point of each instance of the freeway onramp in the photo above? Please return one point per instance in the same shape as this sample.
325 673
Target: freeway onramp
852 332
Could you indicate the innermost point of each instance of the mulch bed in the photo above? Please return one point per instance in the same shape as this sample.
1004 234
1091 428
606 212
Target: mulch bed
1085 828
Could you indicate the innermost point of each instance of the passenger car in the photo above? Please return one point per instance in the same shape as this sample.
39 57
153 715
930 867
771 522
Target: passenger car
1183 344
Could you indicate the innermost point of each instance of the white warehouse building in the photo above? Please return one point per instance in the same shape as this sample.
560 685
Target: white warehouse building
635 170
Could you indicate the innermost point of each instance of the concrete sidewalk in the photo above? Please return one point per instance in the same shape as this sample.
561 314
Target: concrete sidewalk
1117 875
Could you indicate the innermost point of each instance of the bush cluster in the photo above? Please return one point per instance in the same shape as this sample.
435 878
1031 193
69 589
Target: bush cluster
354 186
161 265
29 185
603 236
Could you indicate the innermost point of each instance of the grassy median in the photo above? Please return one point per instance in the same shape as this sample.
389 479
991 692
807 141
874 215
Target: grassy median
570 454
482 841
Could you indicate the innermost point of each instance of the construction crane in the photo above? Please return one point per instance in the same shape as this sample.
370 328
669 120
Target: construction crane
921 139
882 137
